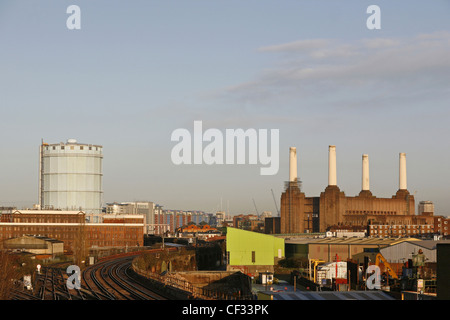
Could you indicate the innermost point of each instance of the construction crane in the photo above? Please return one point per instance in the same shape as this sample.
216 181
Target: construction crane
379 258
257 213
275 201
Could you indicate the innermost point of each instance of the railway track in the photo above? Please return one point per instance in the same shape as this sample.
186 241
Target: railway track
111 278
51 285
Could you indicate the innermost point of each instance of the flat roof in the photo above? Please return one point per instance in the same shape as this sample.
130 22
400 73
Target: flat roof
429 244
26 211
352 241
329 295
44 238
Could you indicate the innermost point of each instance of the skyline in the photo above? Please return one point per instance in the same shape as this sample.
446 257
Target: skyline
134 73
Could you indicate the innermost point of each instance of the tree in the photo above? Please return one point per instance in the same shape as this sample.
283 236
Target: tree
7 275
79 250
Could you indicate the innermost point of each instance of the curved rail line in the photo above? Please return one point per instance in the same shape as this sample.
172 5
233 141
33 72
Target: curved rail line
112 279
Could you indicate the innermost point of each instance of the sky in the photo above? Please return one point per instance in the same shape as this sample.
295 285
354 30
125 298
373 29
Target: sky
138 70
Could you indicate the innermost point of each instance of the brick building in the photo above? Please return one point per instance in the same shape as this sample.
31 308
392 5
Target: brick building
442 226
302 214
248 222
396 230
71 226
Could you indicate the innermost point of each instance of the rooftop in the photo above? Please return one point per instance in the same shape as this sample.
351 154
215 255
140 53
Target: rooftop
352 240
327 295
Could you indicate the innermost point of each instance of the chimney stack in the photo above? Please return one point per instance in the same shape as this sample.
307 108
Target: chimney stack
292 164
402 172
332 178
365 172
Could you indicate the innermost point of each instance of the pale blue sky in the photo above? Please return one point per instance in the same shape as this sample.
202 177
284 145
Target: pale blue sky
137 70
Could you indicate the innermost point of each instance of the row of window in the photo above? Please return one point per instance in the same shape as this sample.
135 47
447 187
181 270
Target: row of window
400 231
72 148
400 227
370 212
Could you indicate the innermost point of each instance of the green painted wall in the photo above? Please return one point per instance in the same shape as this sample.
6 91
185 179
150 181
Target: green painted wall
241 244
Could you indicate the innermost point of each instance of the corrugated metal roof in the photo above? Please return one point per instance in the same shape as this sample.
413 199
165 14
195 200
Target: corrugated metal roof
430 244
329 295
354 240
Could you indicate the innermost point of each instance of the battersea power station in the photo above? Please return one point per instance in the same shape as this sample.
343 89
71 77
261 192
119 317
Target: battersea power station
333 209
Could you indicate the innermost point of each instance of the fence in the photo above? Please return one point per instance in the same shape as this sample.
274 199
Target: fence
171 280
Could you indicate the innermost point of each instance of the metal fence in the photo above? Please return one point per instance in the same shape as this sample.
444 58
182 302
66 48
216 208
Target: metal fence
171 280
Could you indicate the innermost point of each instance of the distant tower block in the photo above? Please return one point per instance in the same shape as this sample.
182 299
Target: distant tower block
426 208
71 176
365 173
402 172
292 164
332 177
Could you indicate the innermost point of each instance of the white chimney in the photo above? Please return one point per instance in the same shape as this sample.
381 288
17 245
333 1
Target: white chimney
332 179
365 172
402 172
292 164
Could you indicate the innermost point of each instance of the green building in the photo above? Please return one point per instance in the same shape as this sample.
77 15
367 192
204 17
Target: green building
252 252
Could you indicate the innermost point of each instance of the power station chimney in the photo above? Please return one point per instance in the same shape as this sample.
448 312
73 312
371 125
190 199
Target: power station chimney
365 172
332 179
292 164
402 172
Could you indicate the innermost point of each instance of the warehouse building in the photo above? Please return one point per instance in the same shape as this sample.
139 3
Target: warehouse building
326 249
252 252
404 251
37 245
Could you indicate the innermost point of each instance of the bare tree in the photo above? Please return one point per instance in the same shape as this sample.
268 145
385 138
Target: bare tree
79 245
7 275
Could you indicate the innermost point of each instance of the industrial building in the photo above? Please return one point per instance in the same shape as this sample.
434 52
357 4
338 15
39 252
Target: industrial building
37 245
302 214
403 251
252 252
70 176
326 249
71 228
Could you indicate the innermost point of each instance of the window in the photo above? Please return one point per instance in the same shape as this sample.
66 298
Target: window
253 257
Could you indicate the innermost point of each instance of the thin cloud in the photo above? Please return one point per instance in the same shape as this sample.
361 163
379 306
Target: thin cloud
315 68
298 46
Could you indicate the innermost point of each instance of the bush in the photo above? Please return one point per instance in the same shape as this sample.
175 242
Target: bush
293 263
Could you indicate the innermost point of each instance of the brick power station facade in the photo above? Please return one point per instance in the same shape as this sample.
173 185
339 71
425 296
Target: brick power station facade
302 214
